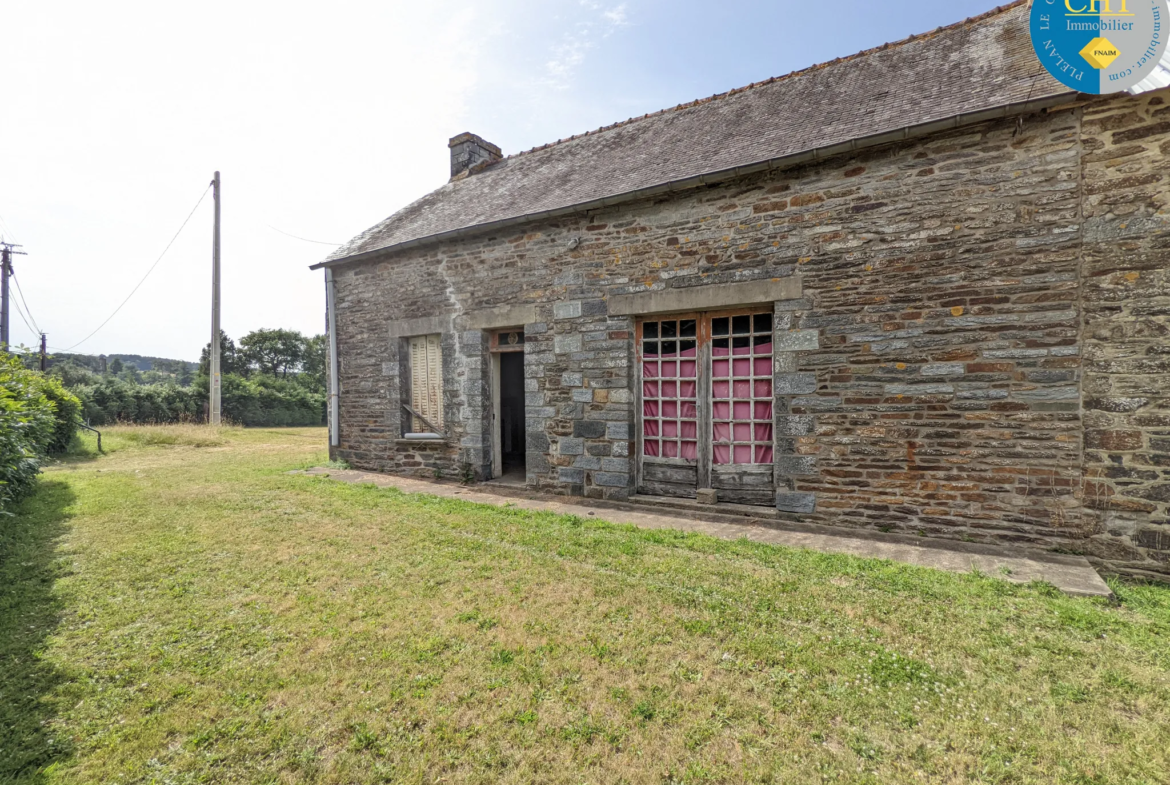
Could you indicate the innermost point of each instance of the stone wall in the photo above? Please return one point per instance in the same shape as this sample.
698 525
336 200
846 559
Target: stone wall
1126 299
929 376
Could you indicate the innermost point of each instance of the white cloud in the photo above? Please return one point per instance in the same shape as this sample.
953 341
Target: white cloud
616 16
570 52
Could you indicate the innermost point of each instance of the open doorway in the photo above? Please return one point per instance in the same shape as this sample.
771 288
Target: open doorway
508 404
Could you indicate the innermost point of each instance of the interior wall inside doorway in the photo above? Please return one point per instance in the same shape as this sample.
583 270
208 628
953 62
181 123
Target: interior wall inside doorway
512 409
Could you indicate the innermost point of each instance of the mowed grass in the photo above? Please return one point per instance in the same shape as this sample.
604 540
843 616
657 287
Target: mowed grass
183 610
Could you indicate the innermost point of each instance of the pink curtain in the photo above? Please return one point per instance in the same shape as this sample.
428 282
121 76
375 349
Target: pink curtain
741 388
669 405
742 376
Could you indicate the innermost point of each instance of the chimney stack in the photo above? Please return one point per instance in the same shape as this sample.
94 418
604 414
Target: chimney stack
471 154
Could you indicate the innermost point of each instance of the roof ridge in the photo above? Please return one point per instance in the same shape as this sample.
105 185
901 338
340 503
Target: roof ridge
772 80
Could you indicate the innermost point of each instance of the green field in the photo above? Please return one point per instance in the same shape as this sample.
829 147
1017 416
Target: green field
183 610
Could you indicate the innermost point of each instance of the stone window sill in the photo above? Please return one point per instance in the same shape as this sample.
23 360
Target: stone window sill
422 442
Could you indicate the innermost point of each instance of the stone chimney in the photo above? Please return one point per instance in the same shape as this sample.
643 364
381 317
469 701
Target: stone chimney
471 154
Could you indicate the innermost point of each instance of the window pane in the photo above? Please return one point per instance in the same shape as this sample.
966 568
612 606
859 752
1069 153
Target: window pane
744 415
688 328
650 330
720 326
670 329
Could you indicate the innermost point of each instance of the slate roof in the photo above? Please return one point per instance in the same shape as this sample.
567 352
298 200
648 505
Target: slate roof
979 64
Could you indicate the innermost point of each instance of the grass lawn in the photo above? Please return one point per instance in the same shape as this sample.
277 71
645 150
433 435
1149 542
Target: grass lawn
182 610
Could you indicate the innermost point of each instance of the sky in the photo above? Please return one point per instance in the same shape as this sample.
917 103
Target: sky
324 119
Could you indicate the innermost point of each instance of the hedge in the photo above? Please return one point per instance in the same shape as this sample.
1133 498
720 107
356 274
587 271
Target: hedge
250 402
38 416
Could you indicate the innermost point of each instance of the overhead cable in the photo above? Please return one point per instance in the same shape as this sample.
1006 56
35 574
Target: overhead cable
148 272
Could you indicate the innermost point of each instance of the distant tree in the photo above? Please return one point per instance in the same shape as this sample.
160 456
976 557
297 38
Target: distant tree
229 357
275 352
313 369
115 366
73 374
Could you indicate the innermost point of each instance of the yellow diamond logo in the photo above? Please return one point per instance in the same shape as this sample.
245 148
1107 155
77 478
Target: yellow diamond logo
1100 53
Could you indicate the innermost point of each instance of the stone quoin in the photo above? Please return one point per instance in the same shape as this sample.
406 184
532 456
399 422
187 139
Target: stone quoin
924 289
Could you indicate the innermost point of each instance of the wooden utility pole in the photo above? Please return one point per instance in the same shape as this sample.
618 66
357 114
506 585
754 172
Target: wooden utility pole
214 413
44 353
6 254
6 267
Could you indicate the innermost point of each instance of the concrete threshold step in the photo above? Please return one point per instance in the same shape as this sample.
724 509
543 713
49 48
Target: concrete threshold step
667 503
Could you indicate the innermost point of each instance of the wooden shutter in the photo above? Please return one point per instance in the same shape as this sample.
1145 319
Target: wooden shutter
426 381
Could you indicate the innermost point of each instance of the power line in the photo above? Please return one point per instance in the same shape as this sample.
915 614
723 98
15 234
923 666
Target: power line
6 228
305 239
26 308
148 272
23 319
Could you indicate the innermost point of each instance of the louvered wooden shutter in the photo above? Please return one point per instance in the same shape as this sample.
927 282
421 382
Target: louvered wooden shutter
426 381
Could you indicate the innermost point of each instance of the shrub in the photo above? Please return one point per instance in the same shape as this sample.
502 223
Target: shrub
113 400
267 402
37 416
67 412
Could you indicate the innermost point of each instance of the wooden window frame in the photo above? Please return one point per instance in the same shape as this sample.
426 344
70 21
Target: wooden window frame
752 335
499 342
705 399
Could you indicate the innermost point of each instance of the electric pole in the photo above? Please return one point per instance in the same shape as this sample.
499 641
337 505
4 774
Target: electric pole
44 352
214 414
6 254
6 265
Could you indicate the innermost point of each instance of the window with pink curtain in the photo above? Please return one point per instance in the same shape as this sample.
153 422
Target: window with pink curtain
670 413
741 389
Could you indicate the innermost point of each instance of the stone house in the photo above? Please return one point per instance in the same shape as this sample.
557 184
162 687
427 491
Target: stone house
922 289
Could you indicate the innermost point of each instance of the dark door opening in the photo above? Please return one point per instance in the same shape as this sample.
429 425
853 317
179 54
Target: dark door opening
511 421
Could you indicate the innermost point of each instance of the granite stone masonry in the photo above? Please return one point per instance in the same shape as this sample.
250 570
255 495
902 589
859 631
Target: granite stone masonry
973 340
